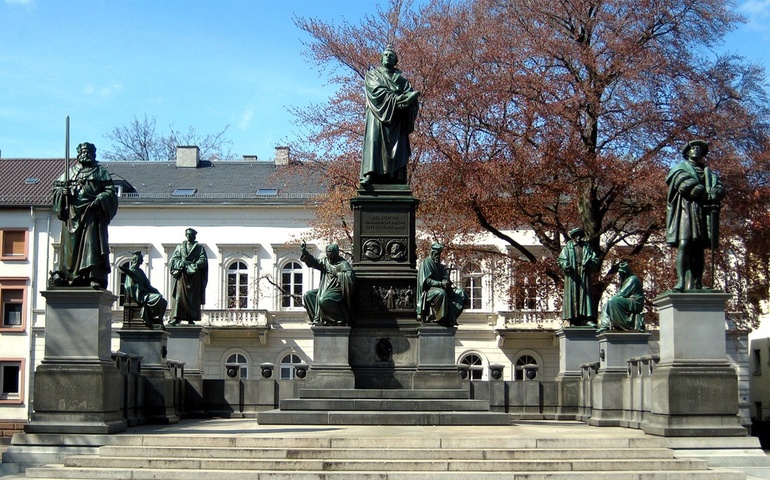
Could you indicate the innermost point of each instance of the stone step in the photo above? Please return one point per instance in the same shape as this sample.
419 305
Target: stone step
384 393
392 465
385 405
353 417
385 453
37 454
183 474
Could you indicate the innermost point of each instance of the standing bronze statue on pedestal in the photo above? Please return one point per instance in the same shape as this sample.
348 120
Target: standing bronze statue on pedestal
391 110
190 269
85 200
692 216
578 262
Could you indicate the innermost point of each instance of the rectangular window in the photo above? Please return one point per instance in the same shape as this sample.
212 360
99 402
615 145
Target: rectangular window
13 244
11 380
12 301
757 362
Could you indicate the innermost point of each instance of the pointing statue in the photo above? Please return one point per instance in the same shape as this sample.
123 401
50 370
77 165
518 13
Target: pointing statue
391 111
331 302
692 215
85 200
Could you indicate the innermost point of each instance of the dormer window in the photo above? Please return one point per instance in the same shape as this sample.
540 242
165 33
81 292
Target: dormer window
267 192
184 192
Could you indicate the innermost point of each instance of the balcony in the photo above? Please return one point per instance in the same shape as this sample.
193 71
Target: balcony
528 320
235 318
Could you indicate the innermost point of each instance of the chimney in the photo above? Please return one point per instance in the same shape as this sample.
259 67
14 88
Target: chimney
281 155
188 156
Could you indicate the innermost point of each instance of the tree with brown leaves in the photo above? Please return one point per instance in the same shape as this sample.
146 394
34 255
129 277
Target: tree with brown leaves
548 115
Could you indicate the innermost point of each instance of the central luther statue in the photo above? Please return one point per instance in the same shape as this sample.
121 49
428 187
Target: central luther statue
391 111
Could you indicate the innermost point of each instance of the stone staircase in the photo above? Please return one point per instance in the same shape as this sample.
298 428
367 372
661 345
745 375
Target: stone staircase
314 455
383 407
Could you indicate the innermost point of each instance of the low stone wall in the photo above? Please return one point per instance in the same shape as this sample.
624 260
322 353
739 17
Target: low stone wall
10 427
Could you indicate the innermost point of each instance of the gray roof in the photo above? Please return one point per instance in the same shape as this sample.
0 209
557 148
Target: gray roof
26 182
236 182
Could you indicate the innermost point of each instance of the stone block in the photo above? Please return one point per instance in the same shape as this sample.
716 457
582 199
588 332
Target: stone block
577 345
151 345
695 388
72 398
77 325
185 344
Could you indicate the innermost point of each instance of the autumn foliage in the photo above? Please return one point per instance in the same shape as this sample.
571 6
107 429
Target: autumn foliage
545 115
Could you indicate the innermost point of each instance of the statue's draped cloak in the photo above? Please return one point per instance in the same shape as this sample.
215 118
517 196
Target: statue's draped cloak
139 289
332 301
624 309
577 282
446 305
189 265
86 213
386 139
686 217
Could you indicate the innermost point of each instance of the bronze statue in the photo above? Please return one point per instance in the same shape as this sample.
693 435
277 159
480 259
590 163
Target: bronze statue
692 215
331 302
190 269
139 290
86 200
624 310
578 262
439 302
391 111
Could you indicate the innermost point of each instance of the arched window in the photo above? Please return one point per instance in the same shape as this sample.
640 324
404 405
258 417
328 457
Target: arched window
471 278
239 362
237 285
291 285
287 366
519 366
122 284
476 365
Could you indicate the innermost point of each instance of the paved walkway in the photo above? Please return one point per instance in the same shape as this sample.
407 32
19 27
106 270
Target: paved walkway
522 429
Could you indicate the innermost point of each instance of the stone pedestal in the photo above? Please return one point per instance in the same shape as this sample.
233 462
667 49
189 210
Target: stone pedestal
695 389
185 345
577 346
331 366
384 345
78 388
615 349
436 367
152 345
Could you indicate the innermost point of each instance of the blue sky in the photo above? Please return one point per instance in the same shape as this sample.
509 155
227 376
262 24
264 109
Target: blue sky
201 63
